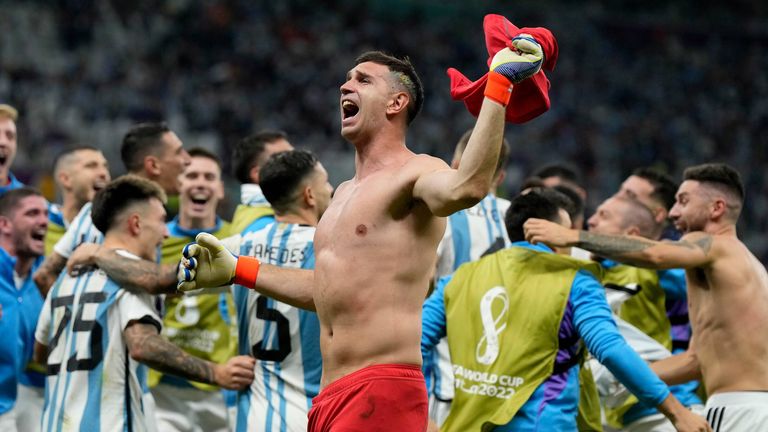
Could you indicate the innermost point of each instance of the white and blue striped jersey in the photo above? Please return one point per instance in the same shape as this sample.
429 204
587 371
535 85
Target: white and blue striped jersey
80 230
92 383
469 235
285 340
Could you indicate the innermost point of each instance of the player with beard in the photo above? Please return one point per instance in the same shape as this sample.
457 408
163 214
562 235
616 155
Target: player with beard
727 293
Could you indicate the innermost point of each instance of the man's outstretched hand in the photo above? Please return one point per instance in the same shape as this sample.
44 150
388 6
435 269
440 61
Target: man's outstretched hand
549 233
206 263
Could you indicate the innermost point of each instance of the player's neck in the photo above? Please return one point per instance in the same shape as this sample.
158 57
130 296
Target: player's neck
5 177
381 152
70 208
197 223
24 265
300 217
116 240
721 228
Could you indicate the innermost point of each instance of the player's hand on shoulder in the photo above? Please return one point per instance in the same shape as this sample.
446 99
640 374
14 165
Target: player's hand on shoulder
236 373
550 233
205 263
84 256
521 61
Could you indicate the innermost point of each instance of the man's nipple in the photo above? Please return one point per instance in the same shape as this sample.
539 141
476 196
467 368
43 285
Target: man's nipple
361 230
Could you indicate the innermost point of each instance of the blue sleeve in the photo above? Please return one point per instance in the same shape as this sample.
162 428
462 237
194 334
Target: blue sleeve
433 318
593 321
672 281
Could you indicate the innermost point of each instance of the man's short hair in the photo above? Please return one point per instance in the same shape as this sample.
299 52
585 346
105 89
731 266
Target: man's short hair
7 111
10 200
637 214
723 178
564 171
503 152
576 206
110 203
65 155
204 153
541 203
282 176
664 187
248 151
404 73
140 141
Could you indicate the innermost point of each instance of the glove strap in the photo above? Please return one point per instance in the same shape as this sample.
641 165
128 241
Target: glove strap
246 271
498 88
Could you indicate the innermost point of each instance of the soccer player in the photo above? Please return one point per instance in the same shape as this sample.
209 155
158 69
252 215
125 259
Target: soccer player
201 325
514 322
561 174
8 146
248 157
727 289
285 340
23 221
469 234
656 190
639 296
149 150
79 171
96 339
375 246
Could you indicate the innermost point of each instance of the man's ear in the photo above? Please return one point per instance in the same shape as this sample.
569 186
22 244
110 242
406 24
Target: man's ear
633 231
254 174
152 166
6 226
64 179
398 103
219 190
310 200
134 224
719 208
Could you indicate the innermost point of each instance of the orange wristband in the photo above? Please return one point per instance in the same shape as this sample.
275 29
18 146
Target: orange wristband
498 88
246 271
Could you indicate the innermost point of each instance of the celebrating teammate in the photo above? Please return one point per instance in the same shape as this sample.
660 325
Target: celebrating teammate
375 245
92 335
727 291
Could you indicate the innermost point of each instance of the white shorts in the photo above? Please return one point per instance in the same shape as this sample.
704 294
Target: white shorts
186 409
438 410
29 407
738 411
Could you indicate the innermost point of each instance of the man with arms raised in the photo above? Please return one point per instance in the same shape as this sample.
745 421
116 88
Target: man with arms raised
375 247
96 338
727 293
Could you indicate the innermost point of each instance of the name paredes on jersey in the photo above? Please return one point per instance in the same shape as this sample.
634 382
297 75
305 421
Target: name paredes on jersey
274 254
484 383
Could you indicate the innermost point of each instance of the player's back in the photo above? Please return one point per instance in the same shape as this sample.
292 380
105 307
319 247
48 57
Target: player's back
729 314
285 340
92 382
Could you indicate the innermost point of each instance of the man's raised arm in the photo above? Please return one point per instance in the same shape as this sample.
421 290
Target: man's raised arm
208 264
695 249
446 191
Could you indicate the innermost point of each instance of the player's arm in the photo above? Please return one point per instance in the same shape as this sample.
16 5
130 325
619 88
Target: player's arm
696 249
145 345
48 272
138 276
446 191
680 368
208 264
592 319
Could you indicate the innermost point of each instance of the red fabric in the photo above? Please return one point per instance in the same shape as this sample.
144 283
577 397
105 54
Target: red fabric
385 397
530 98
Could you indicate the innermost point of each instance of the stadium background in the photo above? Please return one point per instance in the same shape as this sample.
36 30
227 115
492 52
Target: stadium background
666 83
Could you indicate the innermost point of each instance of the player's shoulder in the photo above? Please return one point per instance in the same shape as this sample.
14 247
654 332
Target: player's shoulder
424 163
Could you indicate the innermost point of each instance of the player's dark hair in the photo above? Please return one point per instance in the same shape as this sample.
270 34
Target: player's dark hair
112 201
503 152
564 171
575 205
282 176
248 152
204 153
70 150
10 200
140 141
664 187
718 174
540 204
405 74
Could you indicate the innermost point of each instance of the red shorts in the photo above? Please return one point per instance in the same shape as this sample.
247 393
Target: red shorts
386 397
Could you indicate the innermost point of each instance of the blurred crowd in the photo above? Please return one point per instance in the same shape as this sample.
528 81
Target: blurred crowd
668 84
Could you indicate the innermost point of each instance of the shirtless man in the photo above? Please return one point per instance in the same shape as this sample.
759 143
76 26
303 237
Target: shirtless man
727 293
375 246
